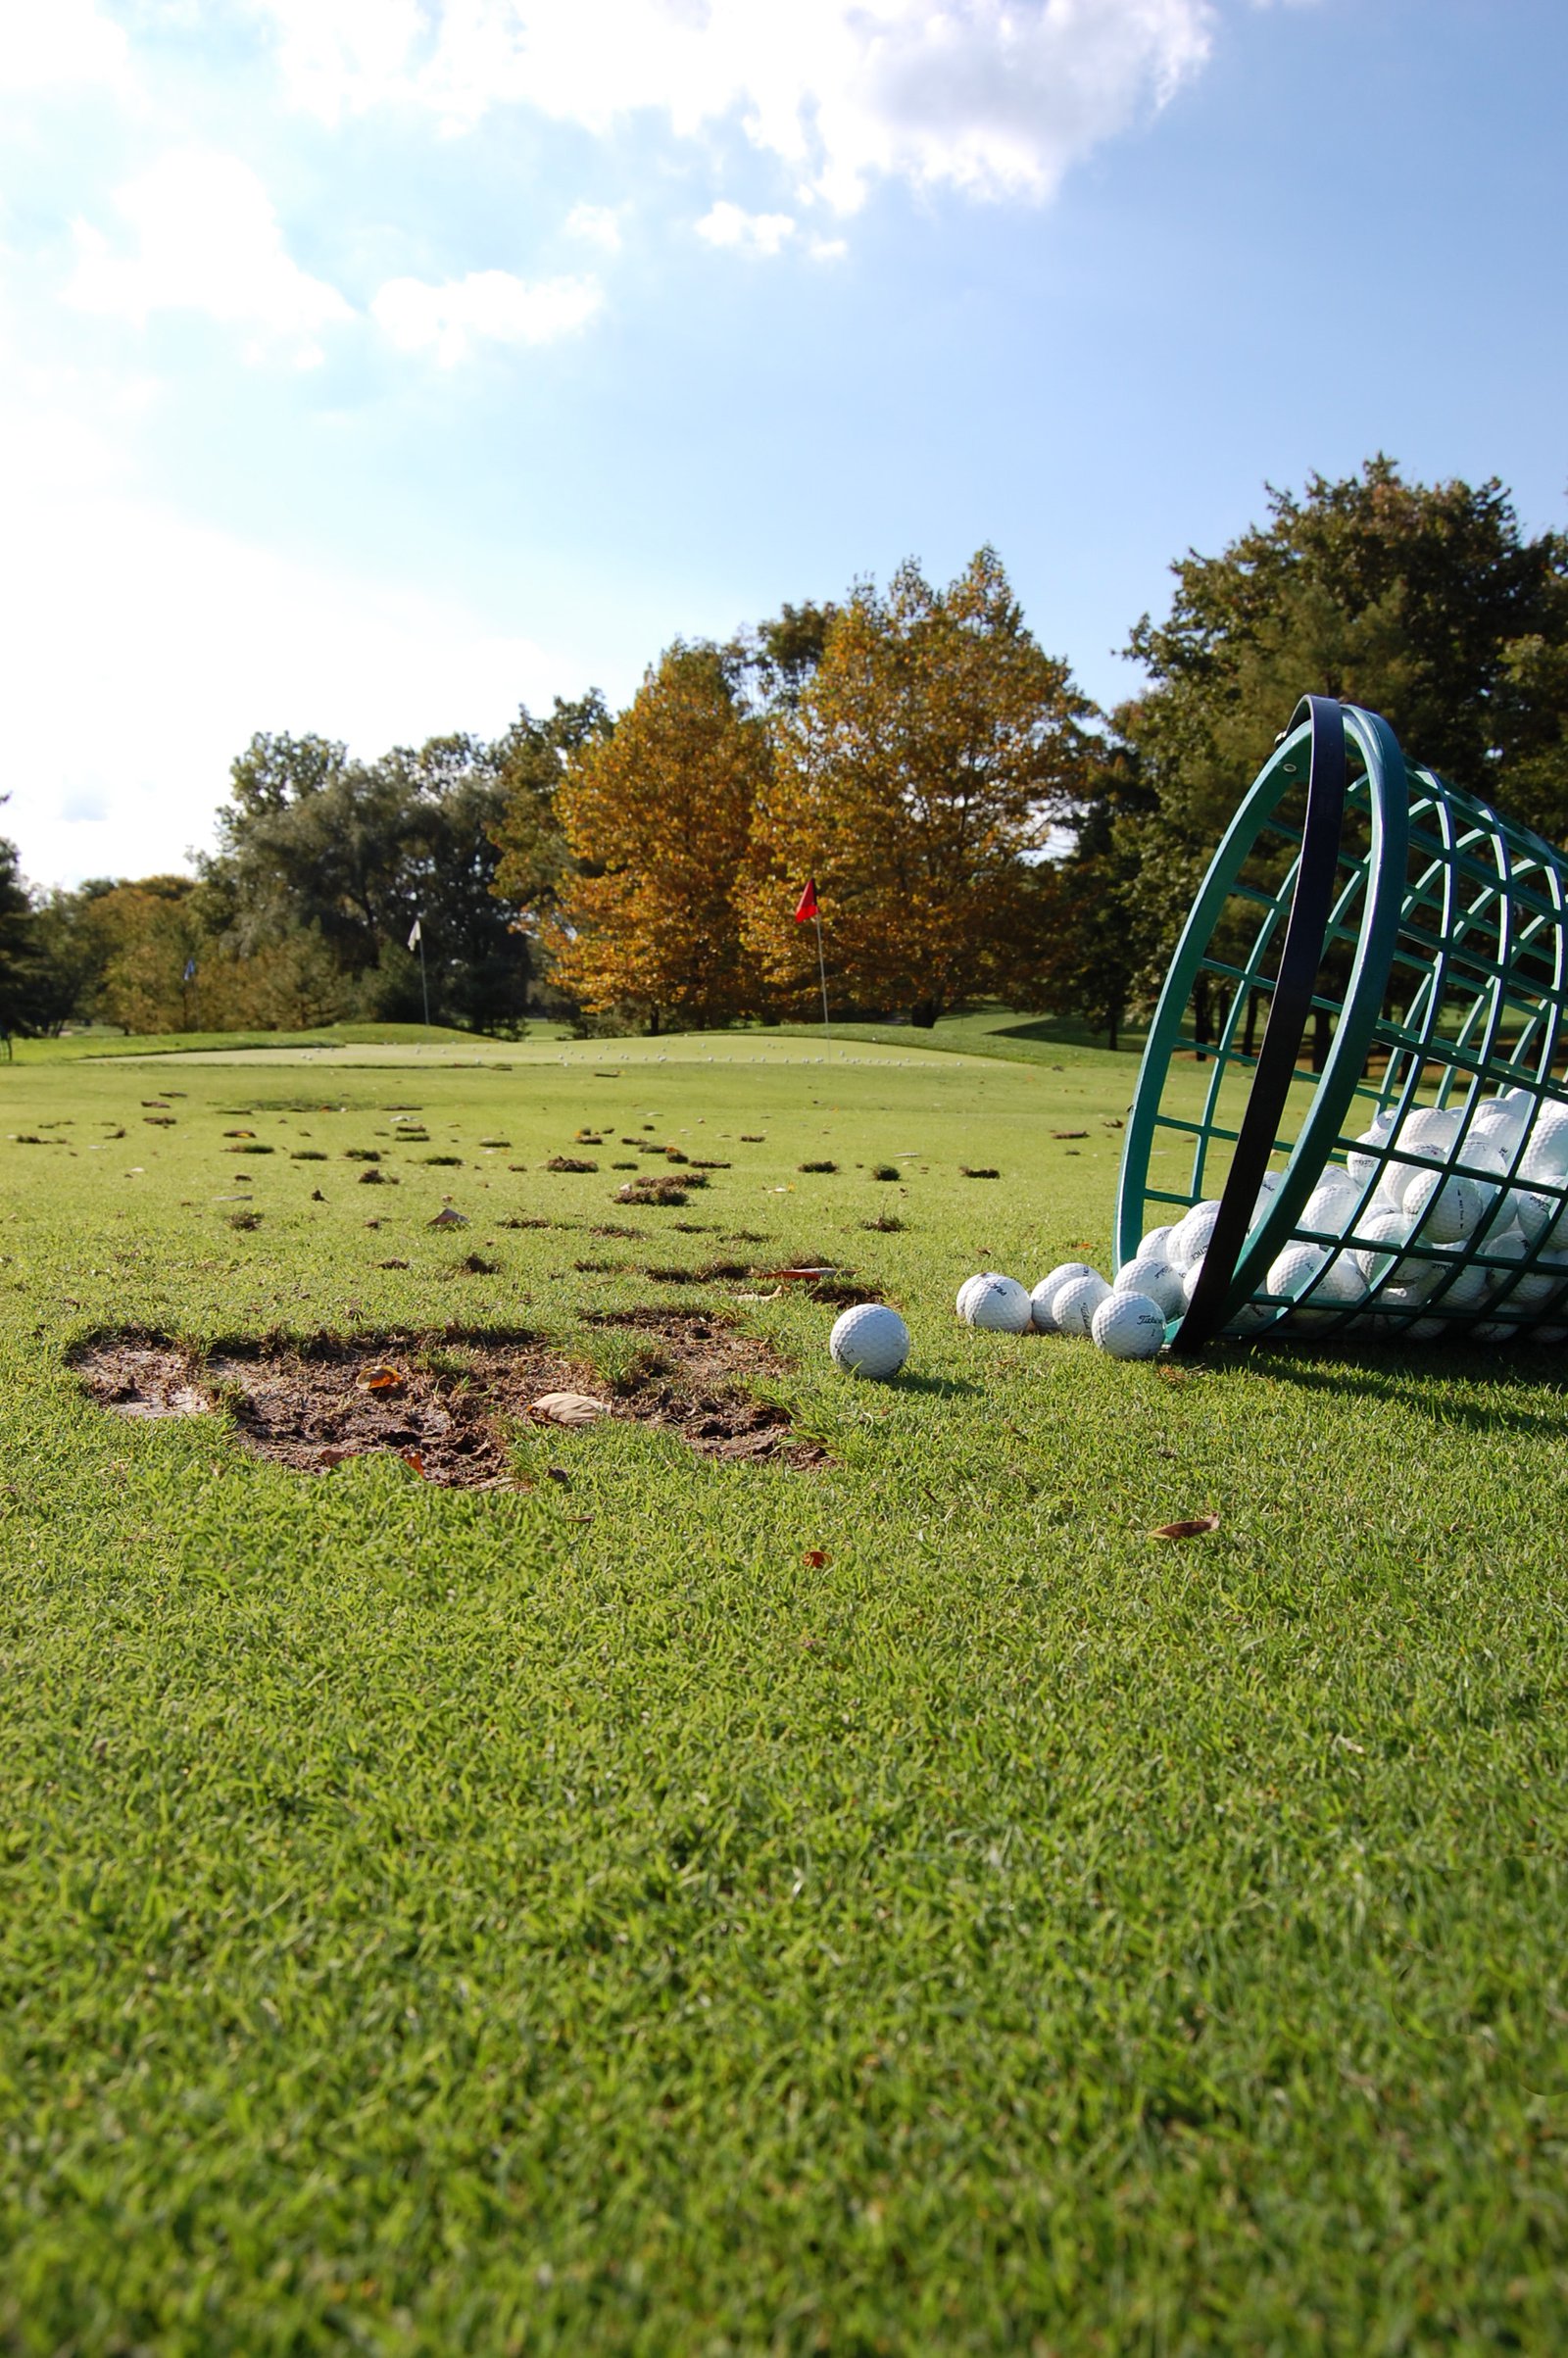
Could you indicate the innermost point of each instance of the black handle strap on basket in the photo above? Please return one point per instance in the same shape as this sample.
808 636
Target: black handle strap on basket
1288 1008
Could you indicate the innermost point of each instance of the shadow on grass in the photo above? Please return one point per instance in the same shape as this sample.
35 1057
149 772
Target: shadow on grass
1415 1381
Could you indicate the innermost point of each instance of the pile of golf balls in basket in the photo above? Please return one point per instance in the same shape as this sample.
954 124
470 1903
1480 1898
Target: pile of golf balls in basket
1471 1227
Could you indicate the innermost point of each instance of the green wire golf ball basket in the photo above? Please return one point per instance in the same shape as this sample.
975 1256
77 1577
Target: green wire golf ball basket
1370 988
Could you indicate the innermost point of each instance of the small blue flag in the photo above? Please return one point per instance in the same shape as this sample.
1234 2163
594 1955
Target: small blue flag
190 969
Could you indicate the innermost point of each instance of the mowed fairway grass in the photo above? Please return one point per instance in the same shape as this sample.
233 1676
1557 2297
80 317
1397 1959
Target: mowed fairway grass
720 1908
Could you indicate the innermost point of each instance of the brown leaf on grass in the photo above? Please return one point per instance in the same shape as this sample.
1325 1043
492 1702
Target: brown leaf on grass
449 1219
1193 1530
817 1558
414 1458
805 1274
567 1409
380 1377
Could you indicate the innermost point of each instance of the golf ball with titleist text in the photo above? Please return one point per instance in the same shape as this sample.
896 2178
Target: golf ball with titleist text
1128 1326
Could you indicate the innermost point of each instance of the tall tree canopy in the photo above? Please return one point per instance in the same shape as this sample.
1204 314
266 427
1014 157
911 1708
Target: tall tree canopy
656 820
1424 602
929 752
333 860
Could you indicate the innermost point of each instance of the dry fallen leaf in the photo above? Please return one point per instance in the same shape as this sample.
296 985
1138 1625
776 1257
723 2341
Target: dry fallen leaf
414 1458
1193 1530
567 1409
379 1378
817 1558
449 1219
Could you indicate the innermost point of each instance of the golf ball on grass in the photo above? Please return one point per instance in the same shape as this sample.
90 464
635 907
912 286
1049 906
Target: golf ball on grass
870 1341
1001 1306
1128 1326
967 1289
1044 1297
1077 1301
1153 1276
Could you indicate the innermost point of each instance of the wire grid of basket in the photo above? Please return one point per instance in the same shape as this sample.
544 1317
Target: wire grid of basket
1436 953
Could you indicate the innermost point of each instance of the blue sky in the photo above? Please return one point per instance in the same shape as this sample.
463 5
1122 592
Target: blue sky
373 366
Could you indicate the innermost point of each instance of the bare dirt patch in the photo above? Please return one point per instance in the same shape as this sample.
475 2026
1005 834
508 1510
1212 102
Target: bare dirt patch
450 1402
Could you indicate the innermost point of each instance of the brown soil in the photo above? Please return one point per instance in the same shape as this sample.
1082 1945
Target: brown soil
445 1403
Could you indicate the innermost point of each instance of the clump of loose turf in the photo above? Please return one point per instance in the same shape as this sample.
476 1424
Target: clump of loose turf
816 1166
671 1190
885 1170
569 1162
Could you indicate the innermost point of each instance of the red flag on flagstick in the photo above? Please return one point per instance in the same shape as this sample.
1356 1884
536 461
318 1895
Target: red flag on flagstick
805 905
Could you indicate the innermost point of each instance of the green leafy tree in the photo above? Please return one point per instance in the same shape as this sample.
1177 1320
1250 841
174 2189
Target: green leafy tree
1426 602
773 662
930 753
325 862
536 858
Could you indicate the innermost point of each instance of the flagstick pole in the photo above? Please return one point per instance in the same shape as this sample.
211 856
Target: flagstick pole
821 970
424 980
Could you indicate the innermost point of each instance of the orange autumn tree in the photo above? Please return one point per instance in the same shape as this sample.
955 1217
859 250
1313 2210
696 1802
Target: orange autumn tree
656 820
928 757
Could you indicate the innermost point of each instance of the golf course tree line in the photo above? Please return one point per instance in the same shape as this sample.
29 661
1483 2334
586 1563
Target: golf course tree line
975 827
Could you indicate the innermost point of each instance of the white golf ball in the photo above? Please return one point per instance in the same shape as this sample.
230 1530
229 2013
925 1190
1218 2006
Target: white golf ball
1077 1301
1341 1285
1292 1272
1000 1306
1331 1206
1445 1210
1128 1326
1545 1157
1189 1239
1044 1297
870 1341
1413 1276
1152 1275
1153 1245
1432 1130
1364 1168
966 1289
1465 1291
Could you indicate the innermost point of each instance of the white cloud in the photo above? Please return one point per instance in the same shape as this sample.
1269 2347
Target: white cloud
828 249
343 55
486 306
998 98
756 232
53 41
207 240
191 639
596 226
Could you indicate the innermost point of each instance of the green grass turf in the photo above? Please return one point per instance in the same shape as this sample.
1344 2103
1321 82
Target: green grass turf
99 1040
574 1921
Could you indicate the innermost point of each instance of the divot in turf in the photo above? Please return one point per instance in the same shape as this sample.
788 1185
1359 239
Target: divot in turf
447 1404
